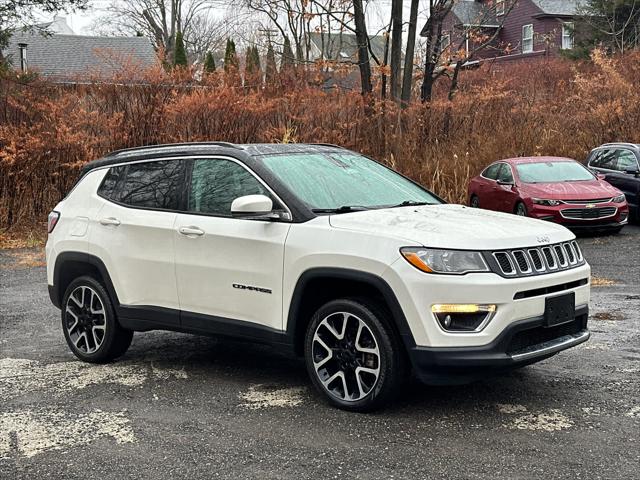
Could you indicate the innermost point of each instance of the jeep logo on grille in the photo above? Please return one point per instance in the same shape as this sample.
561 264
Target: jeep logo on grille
543 239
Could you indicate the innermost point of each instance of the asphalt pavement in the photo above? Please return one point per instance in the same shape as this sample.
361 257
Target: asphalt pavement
181 406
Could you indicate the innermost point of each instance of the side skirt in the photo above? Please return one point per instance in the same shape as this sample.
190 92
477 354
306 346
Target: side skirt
142 319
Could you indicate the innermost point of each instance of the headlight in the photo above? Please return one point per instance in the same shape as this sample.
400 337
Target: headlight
619 199
455 262
548 203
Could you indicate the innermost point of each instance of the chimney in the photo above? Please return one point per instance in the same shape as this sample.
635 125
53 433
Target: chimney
23 57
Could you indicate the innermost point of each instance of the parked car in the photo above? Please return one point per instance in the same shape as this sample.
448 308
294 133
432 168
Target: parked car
550 188
620 165
314 249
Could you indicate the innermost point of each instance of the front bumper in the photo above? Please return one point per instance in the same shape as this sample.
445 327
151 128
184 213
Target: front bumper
522 343
569 215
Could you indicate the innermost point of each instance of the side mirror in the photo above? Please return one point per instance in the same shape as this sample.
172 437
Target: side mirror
253 206
632 170
600 176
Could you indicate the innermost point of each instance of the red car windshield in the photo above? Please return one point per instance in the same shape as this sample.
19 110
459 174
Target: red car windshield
553 172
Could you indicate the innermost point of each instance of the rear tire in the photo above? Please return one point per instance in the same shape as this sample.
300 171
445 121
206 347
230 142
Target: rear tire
89 322
353 356
474 202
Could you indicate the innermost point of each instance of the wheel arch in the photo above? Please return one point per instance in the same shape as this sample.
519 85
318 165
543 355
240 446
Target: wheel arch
71 265
317 286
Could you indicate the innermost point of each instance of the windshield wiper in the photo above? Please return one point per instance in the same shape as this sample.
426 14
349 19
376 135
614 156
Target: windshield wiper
410 203
342 209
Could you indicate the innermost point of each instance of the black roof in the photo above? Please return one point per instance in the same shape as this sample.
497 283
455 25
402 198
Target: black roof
239 151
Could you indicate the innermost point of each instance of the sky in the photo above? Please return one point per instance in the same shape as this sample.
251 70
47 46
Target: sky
378 12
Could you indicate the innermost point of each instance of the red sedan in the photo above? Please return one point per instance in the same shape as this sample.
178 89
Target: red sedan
550 188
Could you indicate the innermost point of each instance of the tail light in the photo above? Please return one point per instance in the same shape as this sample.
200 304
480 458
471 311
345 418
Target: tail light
52 221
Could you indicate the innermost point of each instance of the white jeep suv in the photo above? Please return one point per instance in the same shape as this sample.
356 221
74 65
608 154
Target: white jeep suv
312 248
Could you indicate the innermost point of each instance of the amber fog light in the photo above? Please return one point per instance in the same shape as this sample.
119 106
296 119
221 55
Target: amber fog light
463 317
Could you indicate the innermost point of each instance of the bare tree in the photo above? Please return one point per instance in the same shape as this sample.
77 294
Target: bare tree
407 76
161 20
614 24
396 48
465 42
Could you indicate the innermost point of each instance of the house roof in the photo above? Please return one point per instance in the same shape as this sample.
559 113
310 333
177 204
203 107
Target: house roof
560 7
471 12
342 47
69 56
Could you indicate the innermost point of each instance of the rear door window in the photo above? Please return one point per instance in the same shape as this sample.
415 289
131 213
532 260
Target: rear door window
155 184
604 159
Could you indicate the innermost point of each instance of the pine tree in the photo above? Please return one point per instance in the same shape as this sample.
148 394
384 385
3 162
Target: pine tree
270 69
180 54
256 58
288 59
209 63
230 56
249 62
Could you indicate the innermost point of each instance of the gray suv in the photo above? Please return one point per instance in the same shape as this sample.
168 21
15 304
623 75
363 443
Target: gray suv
620 165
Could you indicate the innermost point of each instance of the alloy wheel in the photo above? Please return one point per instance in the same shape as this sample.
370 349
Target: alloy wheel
85 319
346 356
521 210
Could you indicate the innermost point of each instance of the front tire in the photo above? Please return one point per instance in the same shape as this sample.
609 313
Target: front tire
89 323
521 210
474 202
353 356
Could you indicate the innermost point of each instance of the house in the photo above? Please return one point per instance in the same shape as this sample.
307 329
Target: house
342 47
63 56
524 30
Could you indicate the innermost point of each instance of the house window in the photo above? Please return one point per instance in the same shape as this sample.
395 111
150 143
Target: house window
527 38
499 7
23 56
567 36
445 41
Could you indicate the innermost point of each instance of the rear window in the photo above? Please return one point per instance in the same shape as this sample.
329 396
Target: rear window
145 185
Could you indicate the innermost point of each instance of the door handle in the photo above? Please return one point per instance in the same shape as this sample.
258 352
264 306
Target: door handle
109 221
191 230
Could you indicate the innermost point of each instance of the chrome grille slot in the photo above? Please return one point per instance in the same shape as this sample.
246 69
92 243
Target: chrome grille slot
536 259
570 254
521 260
576 247
505 263
562 261
552 264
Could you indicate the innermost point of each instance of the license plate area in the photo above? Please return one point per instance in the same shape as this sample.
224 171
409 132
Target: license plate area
559 309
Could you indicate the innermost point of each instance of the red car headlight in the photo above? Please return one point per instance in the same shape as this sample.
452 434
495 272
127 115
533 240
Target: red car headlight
548 203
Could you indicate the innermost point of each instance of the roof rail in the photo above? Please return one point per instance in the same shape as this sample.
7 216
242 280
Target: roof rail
635 145
115 153
326 145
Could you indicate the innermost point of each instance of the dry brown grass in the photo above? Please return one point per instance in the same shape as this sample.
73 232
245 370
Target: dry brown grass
26 259
47 132
23 237
602 282
609 316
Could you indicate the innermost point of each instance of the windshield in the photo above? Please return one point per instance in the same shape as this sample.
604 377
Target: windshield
552 172
329 181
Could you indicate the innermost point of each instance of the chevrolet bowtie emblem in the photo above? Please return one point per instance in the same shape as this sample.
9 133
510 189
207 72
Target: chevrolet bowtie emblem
590 205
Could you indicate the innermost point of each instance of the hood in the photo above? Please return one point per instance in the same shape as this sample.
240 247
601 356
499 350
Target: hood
589 190
453 226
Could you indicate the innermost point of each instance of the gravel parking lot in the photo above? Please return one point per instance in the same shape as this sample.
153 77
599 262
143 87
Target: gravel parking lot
194 407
